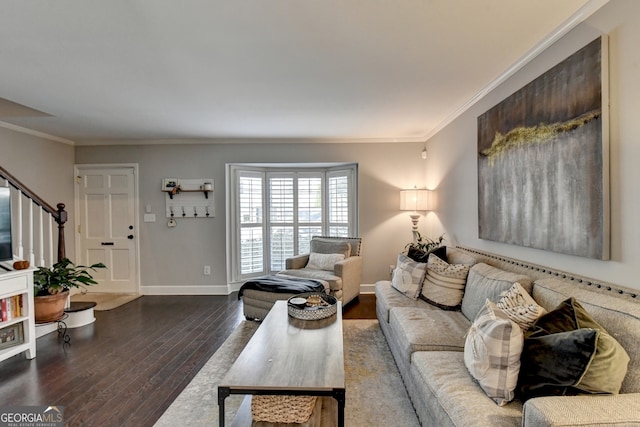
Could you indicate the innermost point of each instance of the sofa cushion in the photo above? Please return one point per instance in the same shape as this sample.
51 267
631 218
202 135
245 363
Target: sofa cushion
419 329
520 307
622 410
620 316
444 283
388 297
408 276
492 353
567 352
487 282
453 398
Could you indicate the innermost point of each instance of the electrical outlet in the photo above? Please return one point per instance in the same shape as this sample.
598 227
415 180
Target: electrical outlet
391 268
207 270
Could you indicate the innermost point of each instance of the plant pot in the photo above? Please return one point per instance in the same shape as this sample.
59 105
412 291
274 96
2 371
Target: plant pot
49 308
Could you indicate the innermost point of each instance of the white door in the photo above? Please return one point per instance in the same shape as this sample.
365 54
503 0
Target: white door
106 225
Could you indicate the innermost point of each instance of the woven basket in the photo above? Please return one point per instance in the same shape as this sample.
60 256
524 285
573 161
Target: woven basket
282 409
316 312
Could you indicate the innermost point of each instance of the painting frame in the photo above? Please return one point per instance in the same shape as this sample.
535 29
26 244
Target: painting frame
11 335
543 160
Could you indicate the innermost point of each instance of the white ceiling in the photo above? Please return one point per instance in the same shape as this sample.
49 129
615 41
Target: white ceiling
311 70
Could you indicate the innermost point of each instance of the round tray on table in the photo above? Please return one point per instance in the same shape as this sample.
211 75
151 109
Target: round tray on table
307 307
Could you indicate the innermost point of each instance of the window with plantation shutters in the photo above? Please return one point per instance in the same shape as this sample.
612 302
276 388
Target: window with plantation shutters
338 204
249 197
281 198
274 212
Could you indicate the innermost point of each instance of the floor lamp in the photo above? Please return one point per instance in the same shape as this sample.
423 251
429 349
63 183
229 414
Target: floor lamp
414 200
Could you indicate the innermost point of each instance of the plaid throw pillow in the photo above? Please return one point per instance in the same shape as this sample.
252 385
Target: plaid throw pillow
408 276
492 353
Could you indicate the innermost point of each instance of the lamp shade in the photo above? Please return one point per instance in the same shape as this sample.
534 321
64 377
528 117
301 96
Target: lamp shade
414 200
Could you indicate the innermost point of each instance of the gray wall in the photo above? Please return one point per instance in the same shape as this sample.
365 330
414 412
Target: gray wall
172 259
452 162
46 167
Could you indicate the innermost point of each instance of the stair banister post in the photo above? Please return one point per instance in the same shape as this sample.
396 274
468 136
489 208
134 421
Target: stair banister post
61 219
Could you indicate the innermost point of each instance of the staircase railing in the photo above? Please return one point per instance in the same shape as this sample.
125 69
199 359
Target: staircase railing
42 230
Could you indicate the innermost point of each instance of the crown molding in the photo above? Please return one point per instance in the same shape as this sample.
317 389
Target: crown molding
573 21
36 133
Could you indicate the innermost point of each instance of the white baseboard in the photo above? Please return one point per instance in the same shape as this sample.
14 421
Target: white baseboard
214 289
45 329
367 288
185 290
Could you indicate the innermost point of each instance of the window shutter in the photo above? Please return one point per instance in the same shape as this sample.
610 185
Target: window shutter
250 208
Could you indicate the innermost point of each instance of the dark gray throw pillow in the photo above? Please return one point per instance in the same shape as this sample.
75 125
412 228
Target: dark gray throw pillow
419 255
551 365
567 352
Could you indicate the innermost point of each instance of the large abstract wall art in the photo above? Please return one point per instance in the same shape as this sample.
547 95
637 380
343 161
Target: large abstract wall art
543 160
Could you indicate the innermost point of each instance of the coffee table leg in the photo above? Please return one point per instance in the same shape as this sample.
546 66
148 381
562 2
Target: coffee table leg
223 393
339 395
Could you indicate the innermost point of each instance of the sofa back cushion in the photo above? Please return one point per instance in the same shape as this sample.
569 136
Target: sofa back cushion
456 256
619 315
486 282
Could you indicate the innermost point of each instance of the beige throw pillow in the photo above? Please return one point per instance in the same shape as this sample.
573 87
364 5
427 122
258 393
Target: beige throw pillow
520 307
323 261
444 283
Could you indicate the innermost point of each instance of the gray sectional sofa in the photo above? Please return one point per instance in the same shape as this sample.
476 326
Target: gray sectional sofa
427 344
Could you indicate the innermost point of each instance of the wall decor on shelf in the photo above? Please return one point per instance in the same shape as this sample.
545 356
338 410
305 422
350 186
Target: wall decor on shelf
188 198
11 336
543 160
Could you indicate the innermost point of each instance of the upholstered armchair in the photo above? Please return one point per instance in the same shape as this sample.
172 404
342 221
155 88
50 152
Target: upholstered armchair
335 260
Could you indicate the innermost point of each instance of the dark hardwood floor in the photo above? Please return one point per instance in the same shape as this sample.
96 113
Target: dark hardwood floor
127 367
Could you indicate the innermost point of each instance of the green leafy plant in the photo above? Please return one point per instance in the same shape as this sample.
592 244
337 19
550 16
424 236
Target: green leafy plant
63 276
425 244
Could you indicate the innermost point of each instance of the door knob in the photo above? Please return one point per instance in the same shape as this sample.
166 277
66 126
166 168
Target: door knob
130 236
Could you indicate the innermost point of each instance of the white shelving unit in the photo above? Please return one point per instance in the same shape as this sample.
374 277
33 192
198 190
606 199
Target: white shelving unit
19 282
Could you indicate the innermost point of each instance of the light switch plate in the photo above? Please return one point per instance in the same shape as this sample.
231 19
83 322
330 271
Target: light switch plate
149 217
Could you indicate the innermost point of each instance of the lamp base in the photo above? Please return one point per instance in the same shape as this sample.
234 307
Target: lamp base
414 229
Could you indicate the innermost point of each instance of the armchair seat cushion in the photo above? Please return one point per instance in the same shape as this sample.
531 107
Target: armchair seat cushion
335 282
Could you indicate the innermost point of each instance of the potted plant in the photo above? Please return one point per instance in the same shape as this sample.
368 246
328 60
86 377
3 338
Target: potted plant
51 287
421 247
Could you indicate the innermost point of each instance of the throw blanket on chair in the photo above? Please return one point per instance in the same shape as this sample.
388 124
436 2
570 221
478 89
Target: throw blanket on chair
282 284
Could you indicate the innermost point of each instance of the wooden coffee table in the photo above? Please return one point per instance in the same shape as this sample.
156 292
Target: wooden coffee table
288 356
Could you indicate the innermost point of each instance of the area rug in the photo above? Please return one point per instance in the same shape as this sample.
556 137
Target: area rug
375 393
105 301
